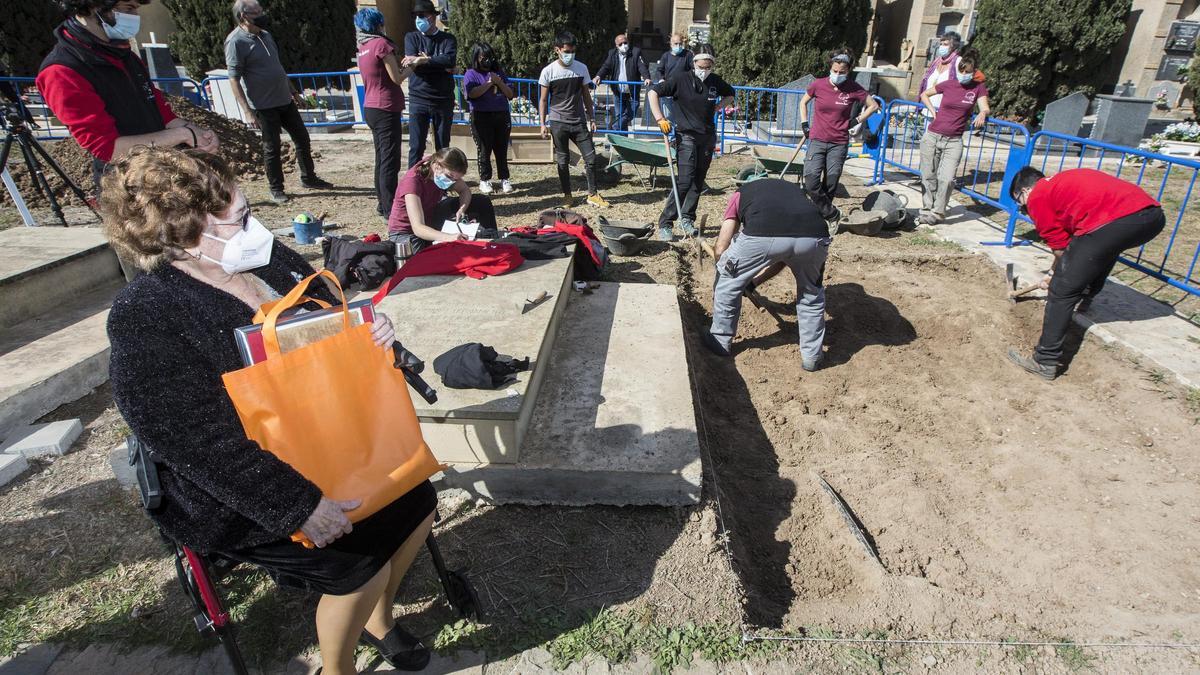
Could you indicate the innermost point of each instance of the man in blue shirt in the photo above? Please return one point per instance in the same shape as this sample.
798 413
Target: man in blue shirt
432 54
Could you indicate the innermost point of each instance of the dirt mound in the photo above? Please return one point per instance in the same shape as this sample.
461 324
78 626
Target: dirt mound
241 147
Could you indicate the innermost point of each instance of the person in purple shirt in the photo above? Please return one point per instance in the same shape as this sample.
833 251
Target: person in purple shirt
488 93
834 99
942 146
383 101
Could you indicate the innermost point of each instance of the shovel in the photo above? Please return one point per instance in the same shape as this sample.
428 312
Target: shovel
795 154
1010 281
674 185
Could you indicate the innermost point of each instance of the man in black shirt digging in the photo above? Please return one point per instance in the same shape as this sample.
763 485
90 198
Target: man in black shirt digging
779 224
697 94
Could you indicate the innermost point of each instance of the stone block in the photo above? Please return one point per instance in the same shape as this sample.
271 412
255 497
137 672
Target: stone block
37 440
1065 115
11 466
33 661
1121 120
118 460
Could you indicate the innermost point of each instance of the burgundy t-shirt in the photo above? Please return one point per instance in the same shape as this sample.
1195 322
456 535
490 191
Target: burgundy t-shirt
831 109
958 102
413 184
381 92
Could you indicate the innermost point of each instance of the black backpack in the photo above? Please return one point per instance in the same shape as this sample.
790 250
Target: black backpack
359 263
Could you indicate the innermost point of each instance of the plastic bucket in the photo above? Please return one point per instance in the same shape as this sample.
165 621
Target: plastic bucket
307 233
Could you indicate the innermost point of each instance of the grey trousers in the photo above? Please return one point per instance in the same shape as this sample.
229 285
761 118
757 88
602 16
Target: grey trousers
745 257
823 168
939 165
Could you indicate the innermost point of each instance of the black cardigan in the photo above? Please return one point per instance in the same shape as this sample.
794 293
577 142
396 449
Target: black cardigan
172 338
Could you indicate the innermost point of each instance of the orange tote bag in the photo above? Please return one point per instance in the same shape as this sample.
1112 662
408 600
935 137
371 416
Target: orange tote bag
336 410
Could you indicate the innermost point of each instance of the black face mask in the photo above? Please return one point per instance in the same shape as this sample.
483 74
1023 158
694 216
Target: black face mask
263 21
487 63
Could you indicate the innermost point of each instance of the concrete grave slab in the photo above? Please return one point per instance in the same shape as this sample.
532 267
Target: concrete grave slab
12 466
38 440
44 267
615 422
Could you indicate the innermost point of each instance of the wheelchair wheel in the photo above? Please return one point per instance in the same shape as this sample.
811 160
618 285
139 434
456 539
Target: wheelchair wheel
461 596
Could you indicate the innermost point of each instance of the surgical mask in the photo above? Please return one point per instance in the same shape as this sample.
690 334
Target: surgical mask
702 72
567 57
124 27
443 181
965 78
248 249
624 49
943 51
676 49
423 24
837 78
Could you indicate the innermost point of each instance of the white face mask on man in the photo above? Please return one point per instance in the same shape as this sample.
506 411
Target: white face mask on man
247 250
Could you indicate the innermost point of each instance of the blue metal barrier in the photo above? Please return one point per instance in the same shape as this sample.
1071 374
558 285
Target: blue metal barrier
31 104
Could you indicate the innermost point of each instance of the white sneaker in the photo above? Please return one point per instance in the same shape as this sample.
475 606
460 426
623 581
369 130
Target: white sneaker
485 187
506 187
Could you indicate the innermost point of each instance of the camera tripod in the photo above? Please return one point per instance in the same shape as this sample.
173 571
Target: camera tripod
16 130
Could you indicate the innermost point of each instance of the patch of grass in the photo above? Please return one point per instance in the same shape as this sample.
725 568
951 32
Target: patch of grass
1073 656
1022 653
1193 399
1192 338
1156 376
932 242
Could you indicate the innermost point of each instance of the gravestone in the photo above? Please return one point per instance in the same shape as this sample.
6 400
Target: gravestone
787 106
1121 120
1065 115
161 65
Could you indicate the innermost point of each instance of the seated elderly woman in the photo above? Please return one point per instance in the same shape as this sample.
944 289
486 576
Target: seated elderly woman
421 204
209 265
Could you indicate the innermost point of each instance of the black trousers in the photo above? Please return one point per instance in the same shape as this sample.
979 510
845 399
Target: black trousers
694 155
421 116
270 122
386 129
562 133
492 131
1082 271
481 210
627 108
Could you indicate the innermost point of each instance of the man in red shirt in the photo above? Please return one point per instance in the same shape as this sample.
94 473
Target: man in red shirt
100 89
1087 218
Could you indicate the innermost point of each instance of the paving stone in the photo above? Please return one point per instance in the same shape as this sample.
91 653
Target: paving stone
37 440
118 460
11 466
33 661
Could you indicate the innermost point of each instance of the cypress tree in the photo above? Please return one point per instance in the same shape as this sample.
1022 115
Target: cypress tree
522 31
1035 51
27 35
772 42
313 35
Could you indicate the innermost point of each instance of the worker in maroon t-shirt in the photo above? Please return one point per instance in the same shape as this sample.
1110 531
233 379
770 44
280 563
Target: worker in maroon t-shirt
942 144
834 99
1087 218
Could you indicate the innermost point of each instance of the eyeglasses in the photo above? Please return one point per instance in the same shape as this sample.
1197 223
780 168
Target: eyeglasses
243 221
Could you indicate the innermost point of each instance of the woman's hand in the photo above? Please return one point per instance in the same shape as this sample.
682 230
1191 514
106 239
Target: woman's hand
328 521
980 120
382 331
461 213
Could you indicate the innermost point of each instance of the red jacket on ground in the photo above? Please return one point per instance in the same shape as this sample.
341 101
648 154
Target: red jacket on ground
1074 202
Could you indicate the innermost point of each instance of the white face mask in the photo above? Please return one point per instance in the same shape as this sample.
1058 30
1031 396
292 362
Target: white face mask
248 249
702 72
125 26
624 49
965 78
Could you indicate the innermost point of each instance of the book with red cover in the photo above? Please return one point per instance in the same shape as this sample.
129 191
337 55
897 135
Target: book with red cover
299 329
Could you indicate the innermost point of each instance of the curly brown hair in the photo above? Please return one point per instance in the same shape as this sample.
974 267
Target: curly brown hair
155 201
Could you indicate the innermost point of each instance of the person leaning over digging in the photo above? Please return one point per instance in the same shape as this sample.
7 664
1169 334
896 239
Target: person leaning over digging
209 265
266 96
99 88
1087 218
383 102
829 132
567 115
432 53
624 63
697 94
942 145
780 224
421 204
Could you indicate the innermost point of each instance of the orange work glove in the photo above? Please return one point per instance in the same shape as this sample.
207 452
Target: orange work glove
664 125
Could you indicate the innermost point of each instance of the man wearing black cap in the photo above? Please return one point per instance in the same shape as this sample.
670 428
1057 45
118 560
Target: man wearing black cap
432 54
780 225
697 94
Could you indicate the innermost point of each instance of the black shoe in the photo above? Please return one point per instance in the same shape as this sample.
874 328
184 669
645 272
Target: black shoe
279 197
712 344
1029 364
401 650
316 183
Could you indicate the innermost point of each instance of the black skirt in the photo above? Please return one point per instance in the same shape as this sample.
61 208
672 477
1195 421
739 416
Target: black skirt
351 560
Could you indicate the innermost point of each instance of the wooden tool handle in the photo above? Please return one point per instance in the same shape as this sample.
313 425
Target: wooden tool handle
1025 291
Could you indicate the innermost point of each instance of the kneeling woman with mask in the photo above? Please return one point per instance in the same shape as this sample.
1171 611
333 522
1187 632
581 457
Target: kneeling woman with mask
942 145
421 204
833 100
209 265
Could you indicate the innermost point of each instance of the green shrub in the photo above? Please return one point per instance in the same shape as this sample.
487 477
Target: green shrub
27 35
522 31
772 42
313 35
1035 51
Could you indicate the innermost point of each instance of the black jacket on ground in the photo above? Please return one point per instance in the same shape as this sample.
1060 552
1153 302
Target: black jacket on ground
634 63
172 339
